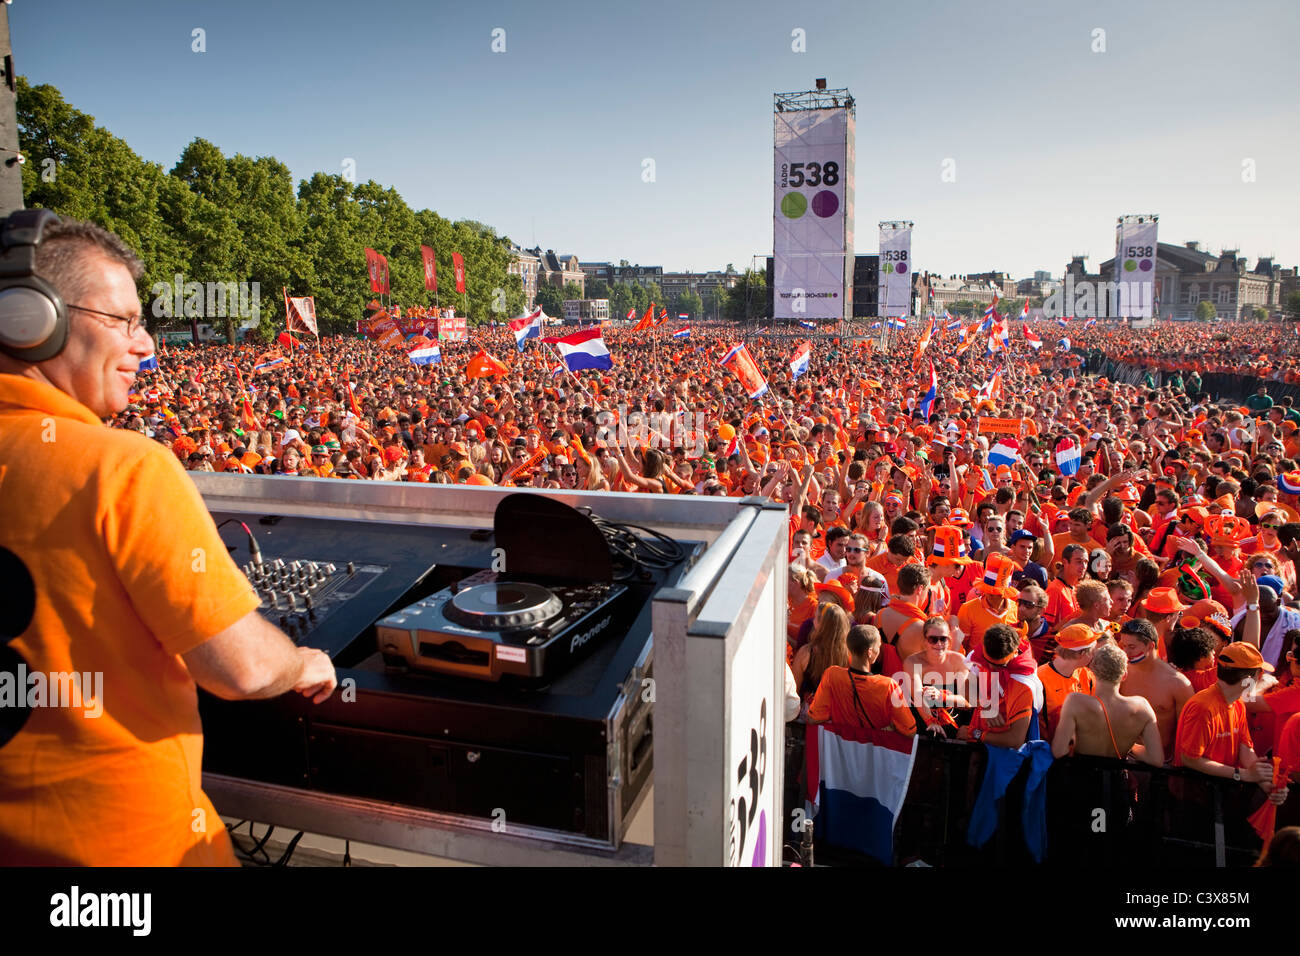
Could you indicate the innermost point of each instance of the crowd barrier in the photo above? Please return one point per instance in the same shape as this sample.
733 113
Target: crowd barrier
1100 812
1222 386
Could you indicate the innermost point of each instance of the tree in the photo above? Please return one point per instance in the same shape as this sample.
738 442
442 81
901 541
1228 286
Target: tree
597 289
748 298
691 303
715 301
551 300
1291 305
1260 314
1205 310
571 290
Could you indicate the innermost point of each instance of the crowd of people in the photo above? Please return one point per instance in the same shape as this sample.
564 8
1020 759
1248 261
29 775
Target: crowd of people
1033 553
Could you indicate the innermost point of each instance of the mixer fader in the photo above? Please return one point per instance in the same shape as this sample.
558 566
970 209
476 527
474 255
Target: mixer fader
298 594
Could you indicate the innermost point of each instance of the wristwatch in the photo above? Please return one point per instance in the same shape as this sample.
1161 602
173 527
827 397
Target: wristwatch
1236 774
976 734
1252 607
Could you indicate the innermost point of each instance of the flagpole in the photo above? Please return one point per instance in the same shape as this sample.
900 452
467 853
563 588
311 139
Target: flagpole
284 291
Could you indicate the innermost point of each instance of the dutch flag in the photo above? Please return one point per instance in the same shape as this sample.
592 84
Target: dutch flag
583 350
809 325
683 315
683 333
1032 338
898 323
877 325
526 327
1068 456
857 780
1090 323
149 364
1005 452
425 353
1063 345
270 364
799 364
954 325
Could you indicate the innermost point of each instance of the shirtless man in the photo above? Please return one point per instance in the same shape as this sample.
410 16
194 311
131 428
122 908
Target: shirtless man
1106 723
1164 688
901 622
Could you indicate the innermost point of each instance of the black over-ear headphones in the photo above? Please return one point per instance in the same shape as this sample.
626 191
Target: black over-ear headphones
33 318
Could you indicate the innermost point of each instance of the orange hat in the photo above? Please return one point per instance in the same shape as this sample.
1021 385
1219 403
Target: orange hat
1197 513
949 547
1163 601
1288 513
997 573
1075 494
958 518
393 453
1241 654
842 593
1128 494
477 479
1227 530
1076 636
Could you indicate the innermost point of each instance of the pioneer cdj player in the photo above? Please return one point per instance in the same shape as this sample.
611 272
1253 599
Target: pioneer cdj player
462 689
552 606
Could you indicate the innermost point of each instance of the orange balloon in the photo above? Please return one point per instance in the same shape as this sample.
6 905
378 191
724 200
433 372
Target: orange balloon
726 432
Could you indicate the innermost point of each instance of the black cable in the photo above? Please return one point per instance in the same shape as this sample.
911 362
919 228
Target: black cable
288 851
634 552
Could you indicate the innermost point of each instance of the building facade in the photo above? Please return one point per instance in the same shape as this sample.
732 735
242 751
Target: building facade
558 270
525 265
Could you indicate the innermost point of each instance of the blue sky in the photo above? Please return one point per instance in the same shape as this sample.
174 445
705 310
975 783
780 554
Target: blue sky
546 141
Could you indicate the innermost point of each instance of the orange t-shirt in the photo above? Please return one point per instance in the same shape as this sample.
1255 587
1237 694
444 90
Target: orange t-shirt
1055 689
974 618
880 696
1208 727
1062 604
130 573
1288 744
883 566
1017 702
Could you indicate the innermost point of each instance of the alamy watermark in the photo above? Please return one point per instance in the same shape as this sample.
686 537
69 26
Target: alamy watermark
72 689
660 430
206 300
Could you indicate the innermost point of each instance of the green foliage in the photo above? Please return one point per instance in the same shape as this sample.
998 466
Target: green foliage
1260 314
551 300
691 303
214 218
1291 305
571 290
748 298
597 289
1205 310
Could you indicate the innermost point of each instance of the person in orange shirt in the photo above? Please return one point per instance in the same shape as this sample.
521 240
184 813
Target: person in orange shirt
1066 673
994 603
1009 724
901 551
101 584
851 699
1213 737
1062 602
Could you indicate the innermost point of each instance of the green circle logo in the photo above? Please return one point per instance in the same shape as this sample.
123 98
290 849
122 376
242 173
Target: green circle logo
1130 265
794 205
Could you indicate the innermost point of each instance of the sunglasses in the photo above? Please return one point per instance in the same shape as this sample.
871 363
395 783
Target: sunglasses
1023 603
937 638
1271 527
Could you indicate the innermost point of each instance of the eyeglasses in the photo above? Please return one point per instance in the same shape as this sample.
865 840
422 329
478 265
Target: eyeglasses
1023 603
133 323
855 550
937 638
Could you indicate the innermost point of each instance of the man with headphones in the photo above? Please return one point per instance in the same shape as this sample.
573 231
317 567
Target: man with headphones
123 594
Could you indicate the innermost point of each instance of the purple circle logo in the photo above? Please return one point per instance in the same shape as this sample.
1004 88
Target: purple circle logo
1145 265
825 203
900 267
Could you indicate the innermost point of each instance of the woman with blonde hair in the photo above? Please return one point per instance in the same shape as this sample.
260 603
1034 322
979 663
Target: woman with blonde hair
827 646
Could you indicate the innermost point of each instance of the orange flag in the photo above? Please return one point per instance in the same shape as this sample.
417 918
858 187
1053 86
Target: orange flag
483 365
647 320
